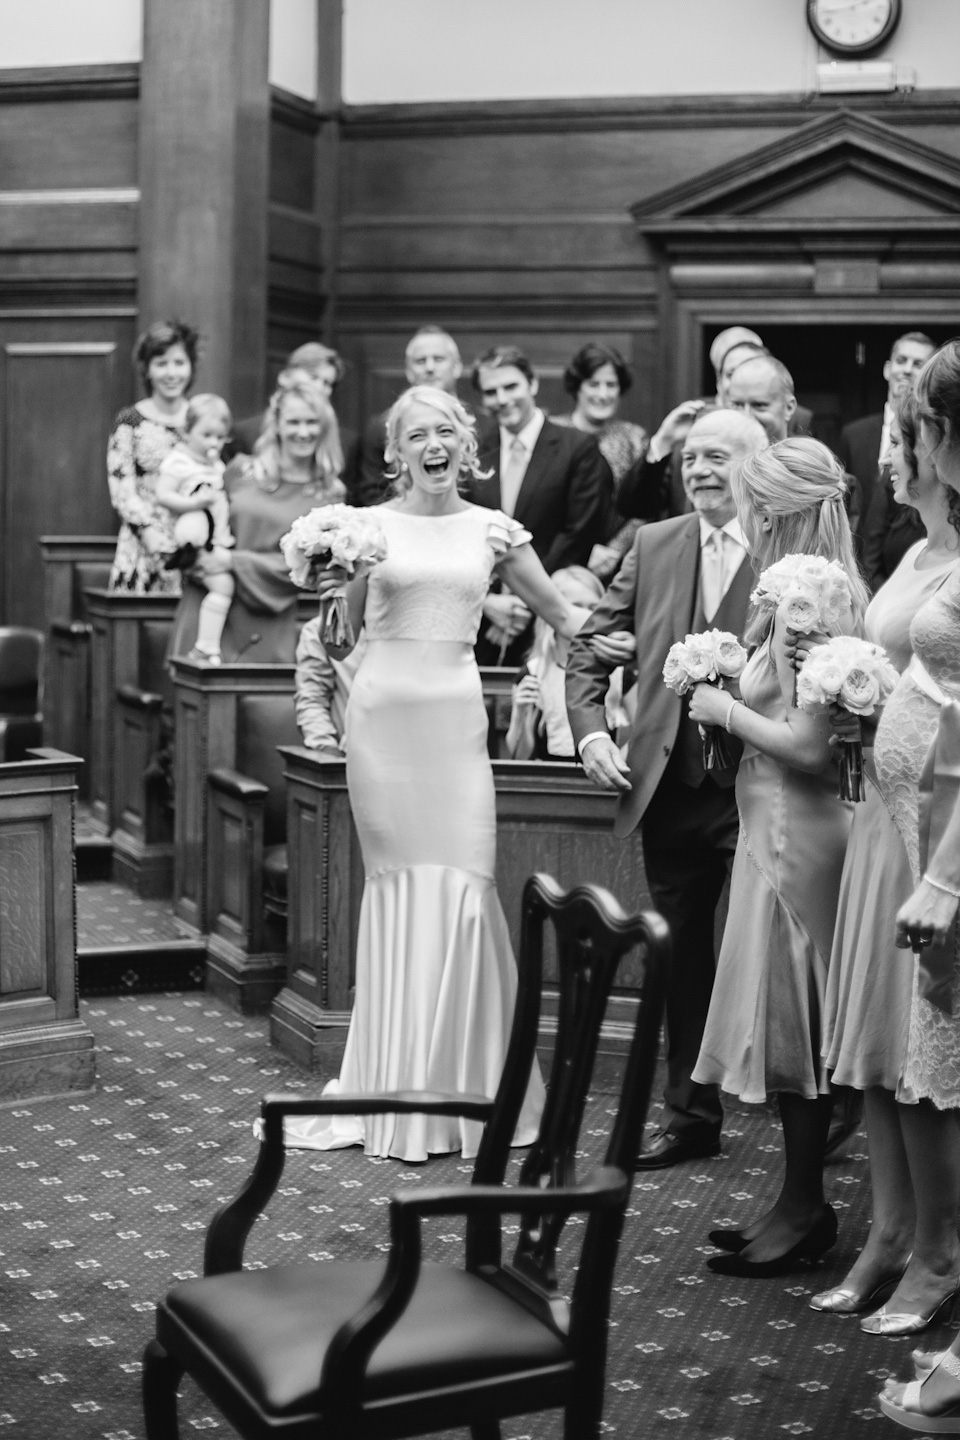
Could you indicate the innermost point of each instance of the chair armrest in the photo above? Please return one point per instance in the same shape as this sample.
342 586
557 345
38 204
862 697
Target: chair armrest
228 1230
607 1187
349 1351
240 787
139 699
390 1102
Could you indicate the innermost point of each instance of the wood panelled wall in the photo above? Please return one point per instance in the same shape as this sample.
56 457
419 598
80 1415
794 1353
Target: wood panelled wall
68 278
511 222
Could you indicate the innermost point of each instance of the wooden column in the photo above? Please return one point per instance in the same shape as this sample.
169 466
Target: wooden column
204 133
45 1049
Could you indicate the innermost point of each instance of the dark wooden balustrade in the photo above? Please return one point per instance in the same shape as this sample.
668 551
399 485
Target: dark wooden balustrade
45 1049
71 564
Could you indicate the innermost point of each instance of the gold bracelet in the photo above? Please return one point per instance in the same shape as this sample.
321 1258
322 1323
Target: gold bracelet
939 885
726 723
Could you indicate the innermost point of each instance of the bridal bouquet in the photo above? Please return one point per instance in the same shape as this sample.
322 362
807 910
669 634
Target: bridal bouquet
712 656
338 535
858 677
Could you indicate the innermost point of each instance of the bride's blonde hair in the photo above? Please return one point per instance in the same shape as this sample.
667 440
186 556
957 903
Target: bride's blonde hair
453 410
790 501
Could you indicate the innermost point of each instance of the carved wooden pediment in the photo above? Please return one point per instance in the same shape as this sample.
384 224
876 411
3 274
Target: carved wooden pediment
846 178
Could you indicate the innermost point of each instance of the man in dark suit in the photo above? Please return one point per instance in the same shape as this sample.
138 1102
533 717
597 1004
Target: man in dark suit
864 446
431 358
683 575
551 478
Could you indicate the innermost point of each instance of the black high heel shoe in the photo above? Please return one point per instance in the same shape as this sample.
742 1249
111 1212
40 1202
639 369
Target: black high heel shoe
811 1246
732 1240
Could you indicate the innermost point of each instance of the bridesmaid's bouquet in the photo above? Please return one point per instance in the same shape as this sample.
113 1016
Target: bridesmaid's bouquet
857 676
712 657
336 535
813 594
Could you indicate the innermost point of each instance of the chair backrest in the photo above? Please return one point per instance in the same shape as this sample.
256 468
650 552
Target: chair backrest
593 936
20 655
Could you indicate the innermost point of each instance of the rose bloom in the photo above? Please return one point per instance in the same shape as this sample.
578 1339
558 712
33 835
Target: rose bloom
801 611
699 658
729 655
860 692
675 670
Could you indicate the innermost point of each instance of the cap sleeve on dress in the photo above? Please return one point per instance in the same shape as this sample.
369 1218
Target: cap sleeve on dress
504 533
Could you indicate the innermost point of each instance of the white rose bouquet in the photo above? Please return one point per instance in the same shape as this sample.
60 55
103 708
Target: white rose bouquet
858 677
712 657
335 535
813 593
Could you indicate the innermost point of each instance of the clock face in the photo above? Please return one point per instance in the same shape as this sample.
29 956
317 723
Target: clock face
852 25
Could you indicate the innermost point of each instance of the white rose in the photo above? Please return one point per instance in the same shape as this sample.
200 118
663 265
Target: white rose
860 691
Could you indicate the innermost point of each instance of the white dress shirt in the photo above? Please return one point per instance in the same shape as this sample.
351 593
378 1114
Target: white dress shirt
888 419
515 452
721 554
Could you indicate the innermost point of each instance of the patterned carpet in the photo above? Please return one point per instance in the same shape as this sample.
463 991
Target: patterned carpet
104 1201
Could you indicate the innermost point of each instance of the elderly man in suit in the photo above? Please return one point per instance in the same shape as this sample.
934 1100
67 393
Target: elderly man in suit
552 478
864 448
688 573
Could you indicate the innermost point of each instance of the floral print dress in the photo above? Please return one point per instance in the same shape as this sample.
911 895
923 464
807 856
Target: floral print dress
136 447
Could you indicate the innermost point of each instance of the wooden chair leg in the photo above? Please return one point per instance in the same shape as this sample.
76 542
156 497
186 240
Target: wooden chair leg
581 1419
161 1377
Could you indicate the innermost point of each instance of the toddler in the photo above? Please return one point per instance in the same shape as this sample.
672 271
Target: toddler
190 485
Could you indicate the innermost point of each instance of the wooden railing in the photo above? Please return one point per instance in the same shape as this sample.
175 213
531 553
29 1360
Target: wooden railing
45 1049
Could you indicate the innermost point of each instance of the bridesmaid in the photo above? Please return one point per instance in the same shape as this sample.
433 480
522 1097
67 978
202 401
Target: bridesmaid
869 988
932 1065
763 1028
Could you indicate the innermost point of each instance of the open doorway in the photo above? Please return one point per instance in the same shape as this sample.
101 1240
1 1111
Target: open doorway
837 369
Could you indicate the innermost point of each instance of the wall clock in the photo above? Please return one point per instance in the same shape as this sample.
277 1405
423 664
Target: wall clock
851 27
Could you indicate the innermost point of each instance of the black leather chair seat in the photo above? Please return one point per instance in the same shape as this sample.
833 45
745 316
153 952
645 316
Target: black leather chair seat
270 1330
276 868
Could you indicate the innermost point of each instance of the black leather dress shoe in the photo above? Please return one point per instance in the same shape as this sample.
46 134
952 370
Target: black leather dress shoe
667 1148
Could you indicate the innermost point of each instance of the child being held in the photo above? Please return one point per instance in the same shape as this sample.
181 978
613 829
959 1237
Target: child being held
190 485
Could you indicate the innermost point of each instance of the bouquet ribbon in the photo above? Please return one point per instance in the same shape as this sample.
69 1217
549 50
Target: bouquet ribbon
939 793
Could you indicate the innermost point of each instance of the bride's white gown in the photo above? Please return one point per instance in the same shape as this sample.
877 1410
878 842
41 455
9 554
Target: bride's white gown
436 975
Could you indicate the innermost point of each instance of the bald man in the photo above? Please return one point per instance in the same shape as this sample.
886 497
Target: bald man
683 575
762 386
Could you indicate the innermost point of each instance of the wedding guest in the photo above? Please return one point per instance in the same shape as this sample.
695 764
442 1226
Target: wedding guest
295 467
190 485
922 713
763 1029
551 478
142 435
598 377
864 450
682 574
869 988
322 688
539 728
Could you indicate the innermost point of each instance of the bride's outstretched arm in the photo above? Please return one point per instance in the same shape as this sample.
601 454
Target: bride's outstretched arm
521 569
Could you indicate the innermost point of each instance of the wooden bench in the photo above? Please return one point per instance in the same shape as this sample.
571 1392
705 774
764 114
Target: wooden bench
131 694
549 817
45 1049
71 565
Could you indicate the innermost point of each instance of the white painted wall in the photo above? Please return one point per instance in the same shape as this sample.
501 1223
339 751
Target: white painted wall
409 50
293 46
37 33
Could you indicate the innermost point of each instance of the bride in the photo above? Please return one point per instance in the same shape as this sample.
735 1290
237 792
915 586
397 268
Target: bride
435 974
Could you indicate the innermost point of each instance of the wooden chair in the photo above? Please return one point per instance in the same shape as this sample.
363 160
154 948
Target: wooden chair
21 718
407 1347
